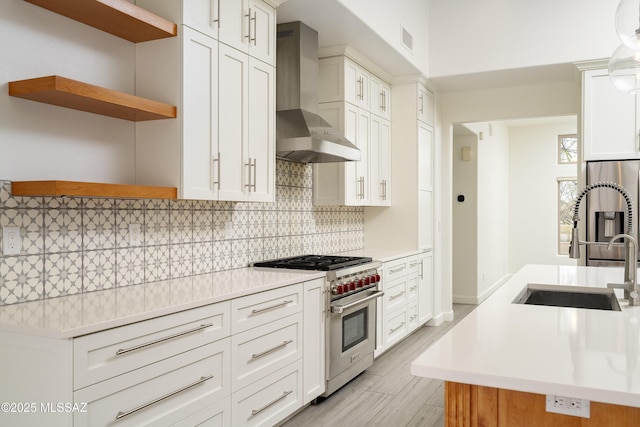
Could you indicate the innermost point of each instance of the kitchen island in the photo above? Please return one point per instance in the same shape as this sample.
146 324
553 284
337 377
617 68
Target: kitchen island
502 361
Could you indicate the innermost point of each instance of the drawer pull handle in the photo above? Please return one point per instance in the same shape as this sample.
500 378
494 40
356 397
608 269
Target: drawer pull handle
122 351
273 402
411 289
282 304
394 270
271 350
392 330
396 296
160 399
413 264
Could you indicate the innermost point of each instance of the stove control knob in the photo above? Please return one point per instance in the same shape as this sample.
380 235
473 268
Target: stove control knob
352 286
336 289
368 280
377 278
361 283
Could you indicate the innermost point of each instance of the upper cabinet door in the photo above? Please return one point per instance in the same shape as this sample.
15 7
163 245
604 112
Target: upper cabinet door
262 41
610 119
261 151
249 26
425 105
357 84
380 98
202 15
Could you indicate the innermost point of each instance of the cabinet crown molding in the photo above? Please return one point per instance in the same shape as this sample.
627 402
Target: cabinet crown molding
354 55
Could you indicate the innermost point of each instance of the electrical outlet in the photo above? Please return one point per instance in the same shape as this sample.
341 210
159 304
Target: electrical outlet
569 406
228 230
11 242
135 234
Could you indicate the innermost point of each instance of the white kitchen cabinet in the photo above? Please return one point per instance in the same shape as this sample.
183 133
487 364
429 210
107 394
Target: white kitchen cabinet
212 365
380 161
222 145
407 303
412 153
163 392
380 98
424 105
342 79
313 346
356 102
425 283
246 127
610 119
346 183
248 26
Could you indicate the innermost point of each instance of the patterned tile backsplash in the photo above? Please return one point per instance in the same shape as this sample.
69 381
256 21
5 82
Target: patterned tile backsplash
74 245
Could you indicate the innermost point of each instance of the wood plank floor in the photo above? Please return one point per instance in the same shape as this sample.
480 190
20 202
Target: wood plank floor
386 394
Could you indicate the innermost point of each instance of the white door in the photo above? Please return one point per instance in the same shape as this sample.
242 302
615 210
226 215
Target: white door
234 23
233 111
261 156
262 38
200 116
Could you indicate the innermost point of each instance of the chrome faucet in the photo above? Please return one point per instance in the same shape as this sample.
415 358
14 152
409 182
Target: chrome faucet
630 286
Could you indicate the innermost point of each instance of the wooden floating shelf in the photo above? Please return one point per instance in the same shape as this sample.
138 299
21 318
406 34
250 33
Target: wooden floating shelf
91 189
117 17
81 96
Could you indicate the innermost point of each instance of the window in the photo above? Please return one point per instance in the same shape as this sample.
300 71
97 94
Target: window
567 195
567 149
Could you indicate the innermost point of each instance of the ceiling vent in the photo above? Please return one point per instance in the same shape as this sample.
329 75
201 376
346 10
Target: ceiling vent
407 40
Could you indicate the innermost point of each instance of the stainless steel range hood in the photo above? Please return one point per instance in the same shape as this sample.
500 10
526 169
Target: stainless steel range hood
301 134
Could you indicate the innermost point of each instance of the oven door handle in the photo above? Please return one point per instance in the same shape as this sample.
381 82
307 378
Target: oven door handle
336 308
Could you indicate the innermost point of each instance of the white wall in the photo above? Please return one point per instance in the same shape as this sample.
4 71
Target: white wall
533 206
486 105
480 224
470 36
40 141
493 208
387 22
465 218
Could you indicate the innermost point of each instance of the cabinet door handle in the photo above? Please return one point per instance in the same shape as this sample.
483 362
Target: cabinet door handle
638 140
255 161
122 351
273 402
396 296
392 330
123 414
255 28
249 180
217 19
262 310
248 16
421 104
271 350
422 268
216 181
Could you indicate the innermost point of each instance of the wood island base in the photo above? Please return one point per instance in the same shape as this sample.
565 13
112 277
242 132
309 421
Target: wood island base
469 405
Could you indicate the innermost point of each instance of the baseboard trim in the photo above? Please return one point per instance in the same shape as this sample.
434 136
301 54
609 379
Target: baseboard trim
469 299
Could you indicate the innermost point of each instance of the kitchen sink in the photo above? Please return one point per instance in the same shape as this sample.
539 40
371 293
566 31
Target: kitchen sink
568 296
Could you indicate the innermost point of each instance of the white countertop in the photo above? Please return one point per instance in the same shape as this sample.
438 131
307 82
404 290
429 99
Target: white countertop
580 353
81 314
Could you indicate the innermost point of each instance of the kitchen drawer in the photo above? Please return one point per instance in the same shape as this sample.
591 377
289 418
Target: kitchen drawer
165 392
269 400
395 327
395 269
216 415
107 354
413 265
263 350
395 294
412 317
258 309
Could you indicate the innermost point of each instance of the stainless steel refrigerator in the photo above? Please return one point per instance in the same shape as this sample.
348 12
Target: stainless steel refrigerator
607 210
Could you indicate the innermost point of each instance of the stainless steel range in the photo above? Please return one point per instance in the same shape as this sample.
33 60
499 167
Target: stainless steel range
352 287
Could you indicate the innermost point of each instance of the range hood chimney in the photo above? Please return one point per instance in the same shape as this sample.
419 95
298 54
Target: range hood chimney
301 134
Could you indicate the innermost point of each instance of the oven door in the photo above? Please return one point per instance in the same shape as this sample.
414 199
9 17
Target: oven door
352 331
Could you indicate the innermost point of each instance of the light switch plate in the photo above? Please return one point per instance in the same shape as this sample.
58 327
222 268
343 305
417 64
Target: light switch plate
11 242
135 234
